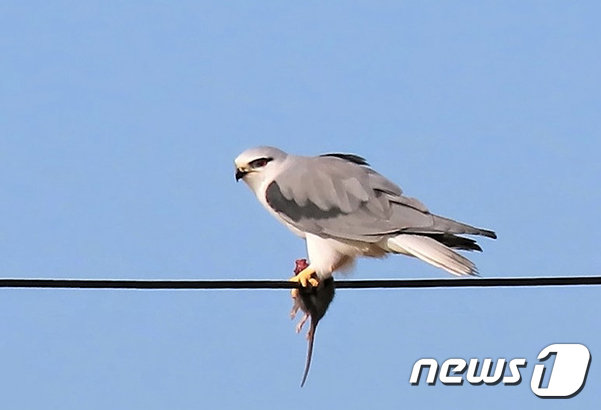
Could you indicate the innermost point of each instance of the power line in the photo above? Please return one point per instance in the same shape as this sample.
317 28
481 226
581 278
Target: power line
284 284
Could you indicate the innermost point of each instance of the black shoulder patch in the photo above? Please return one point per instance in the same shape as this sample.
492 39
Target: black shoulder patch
355 159
280 204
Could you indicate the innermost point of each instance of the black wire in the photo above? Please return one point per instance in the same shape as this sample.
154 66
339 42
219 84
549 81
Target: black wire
284 284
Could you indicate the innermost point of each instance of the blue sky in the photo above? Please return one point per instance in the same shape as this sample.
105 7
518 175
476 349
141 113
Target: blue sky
120 122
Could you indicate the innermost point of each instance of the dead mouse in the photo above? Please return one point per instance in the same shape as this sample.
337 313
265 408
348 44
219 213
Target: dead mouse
314 303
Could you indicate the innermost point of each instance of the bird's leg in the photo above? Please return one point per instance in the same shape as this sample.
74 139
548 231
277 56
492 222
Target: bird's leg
306 277
299 266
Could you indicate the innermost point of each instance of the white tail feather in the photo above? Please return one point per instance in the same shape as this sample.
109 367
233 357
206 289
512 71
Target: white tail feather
433 252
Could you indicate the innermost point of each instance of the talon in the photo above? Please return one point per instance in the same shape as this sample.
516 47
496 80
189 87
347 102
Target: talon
306 278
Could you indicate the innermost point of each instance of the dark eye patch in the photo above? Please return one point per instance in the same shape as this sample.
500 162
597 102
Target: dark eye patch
260 162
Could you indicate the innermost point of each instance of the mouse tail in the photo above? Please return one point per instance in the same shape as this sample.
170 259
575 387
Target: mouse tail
309 354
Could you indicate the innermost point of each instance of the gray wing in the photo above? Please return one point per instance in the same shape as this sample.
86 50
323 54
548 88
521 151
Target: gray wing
339 196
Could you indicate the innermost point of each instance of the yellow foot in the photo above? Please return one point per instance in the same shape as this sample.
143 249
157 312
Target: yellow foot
306 277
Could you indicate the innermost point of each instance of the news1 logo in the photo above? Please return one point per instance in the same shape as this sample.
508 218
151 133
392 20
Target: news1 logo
566 378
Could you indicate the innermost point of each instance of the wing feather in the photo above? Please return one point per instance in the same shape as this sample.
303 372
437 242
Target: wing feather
335 197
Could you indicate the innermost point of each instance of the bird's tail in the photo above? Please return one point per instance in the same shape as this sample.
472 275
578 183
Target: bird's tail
433 252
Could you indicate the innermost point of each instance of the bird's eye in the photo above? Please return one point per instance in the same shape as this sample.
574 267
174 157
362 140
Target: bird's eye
259 162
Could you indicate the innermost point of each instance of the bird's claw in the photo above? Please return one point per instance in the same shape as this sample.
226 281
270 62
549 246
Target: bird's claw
306 278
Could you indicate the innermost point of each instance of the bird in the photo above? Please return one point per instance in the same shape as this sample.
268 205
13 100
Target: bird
344 209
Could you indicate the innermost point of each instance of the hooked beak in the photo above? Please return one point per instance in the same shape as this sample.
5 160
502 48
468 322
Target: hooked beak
240 173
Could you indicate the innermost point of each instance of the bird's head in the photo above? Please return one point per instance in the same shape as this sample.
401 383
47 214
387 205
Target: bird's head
254 165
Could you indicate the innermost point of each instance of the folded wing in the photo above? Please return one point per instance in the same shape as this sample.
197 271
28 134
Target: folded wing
339 196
